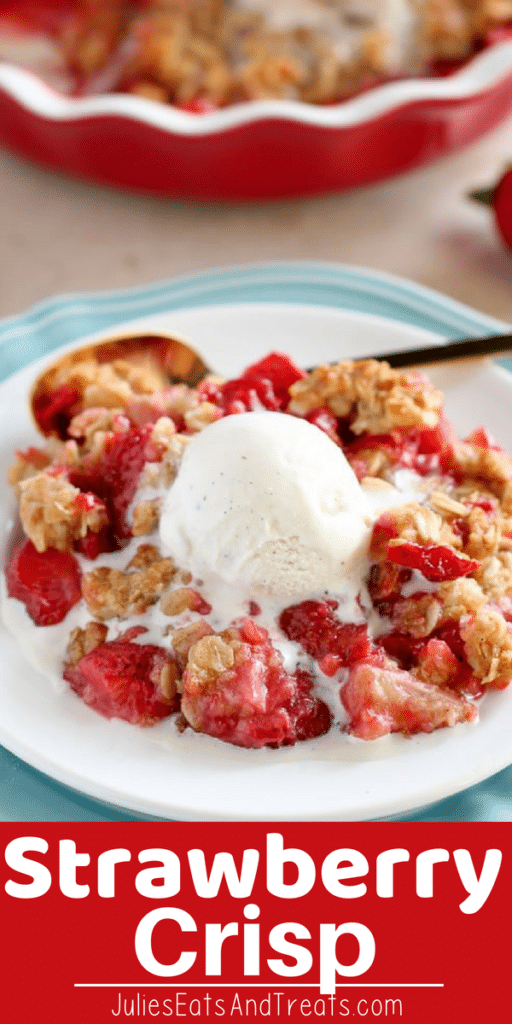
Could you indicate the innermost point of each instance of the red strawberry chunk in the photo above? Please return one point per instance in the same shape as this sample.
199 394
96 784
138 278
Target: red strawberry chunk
385 582
403 647
460 528
400 448
485 504
436 562
87 502
310 715
199 105
123 460
35 457
497 34
122 679
246 705
450 633
441 657
384 530
325 420
438 662
254 703
382 700
439 665
47 582
115 478
420 450
317 629
439 440
248 394
55 411
426 451
279 369
94 544
264 385
483 439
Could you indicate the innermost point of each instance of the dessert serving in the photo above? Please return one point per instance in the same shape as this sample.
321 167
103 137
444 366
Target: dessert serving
205 54
265 559
274 99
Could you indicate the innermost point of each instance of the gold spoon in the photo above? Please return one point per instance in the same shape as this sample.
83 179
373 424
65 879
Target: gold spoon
173 361
168 360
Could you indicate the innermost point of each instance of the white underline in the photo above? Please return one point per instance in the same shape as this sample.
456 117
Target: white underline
248 984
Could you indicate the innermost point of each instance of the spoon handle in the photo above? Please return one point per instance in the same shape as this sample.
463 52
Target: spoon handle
469 348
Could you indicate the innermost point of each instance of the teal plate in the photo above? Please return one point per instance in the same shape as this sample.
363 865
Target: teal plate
27 794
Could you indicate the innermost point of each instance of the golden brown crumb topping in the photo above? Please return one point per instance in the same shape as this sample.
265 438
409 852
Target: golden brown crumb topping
417 616
228 50
417 524
54 513
209 658
183 639
495 575
109 593
488 645
460 597
180 600
83 641
378 398
145 518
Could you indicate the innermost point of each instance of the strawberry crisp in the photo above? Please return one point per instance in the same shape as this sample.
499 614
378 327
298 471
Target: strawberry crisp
202 55
376 602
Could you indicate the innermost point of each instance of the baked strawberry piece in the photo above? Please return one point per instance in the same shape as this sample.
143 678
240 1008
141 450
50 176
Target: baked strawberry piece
55 410
48 582
325 420
264 385
424 451
121 679
384 700
436 562
310 715
236 688
438 664
333 644
114 479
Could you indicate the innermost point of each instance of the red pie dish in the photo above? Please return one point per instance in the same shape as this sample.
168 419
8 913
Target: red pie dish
249 148
265 559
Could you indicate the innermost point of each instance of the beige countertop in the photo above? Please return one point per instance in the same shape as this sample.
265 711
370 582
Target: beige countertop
59 235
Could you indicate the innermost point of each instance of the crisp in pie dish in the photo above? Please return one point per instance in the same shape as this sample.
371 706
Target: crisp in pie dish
335 94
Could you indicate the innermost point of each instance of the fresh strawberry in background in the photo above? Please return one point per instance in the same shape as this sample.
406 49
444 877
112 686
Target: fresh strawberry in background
500 199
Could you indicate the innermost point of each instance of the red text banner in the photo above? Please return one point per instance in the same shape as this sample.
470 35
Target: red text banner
254 922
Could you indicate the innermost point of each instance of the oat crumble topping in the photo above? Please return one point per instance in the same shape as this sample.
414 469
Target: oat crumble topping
439 568
109 593
209 53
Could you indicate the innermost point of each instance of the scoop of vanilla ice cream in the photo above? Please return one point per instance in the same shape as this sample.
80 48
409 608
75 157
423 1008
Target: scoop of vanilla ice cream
267 503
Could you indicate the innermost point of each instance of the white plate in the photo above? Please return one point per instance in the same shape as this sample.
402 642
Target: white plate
191 777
